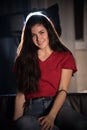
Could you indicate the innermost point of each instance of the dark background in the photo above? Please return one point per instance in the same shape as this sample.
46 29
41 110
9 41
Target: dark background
12 16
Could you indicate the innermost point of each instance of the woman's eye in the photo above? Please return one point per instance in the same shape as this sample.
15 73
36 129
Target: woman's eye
33 35
41 32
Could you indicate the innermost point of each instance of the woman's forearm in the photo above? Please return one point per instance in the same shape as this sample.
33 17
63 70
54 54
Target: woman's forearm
58 102
18 108
61 96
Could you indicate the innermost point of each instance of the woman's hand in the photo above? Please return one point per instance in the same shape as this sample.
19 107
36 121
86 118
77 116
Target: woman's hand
47 122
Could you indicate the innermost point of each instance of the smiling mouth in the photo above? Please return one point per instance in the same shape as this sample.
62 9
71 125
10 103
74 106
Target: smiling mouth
40 43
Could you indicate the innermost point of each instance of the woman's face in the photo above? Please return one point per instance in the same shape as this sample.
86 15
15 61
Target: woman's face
40 36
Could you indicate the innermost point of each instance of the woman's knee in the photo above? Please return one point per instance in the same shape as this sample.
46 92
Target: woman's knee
27 123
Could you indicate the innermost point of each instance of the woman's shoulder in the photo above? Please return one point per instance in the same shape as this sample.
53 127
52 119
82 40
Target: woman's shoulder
63 53
67 60
66 56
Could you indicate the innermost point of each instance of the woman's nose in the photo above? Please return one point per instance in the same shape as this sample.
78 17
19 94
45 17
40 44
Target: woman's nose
38 37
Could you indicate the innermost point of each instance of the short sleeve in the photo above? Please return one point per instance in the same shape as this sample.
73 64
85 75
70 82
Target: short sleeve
69 62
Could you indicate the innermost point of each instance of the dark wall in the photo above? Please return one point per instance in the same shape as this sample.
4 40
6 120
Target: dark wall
8 46
12 16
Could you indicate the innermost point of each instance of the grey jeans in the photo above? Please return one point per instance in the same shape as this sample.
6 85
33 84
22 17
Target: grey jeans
67 118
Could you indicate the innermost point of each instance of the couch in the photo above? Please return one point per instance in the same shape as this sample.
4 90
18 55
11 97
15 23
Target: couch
78 101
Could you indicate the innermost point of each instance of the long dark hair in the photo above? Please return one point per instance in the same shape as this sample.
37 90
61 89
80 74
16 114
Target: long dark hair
27 65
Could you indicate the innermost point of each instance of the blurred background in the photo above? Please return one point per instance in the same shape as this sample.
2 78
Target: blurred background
73 22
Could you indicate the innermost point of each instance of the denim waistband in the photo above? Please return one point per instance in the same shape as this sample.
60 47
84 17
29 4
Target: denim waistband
41 98
32 100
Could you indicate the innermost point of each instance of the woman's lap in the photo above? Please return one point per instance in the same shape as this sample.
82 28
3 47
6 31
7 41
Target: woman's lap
29 123
66 119
70 119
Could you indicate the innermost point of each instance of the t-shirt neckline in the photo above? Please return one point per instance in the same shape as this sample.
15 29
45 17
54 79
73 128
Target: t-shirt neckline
47 58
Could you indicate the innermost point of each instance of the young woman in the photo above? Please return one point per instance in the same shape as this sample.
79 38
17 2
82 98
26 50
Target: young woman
44 67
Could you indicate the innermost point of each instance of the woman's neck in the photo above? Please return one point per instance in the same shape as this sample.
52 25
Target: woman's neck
44 54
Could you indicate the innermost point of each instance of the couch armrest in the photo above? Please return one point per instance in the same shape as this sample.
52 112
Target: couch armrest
78 101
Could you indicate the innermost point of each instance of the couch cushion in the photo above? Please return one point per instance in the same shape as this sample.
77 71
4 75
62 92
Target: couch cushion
78 101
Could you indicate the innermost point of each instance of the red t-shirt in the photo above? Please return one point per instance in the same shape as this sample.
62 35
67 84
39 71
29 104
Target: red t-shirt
51 73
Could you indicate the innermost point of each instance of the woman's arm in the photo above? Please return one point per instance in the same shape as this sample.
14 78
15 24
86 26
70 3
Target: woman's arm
19 102
47 122
61 96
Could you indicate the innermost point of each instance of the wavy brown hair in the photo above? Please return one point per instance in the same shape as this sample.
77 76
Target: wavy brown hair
27 64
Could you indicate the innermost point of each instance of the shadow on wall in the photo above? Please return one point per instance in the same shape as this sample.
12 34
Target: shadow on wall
8 48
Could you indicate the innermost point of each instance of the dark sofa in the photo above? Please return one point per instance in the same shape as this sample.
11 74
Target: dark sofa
78 101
